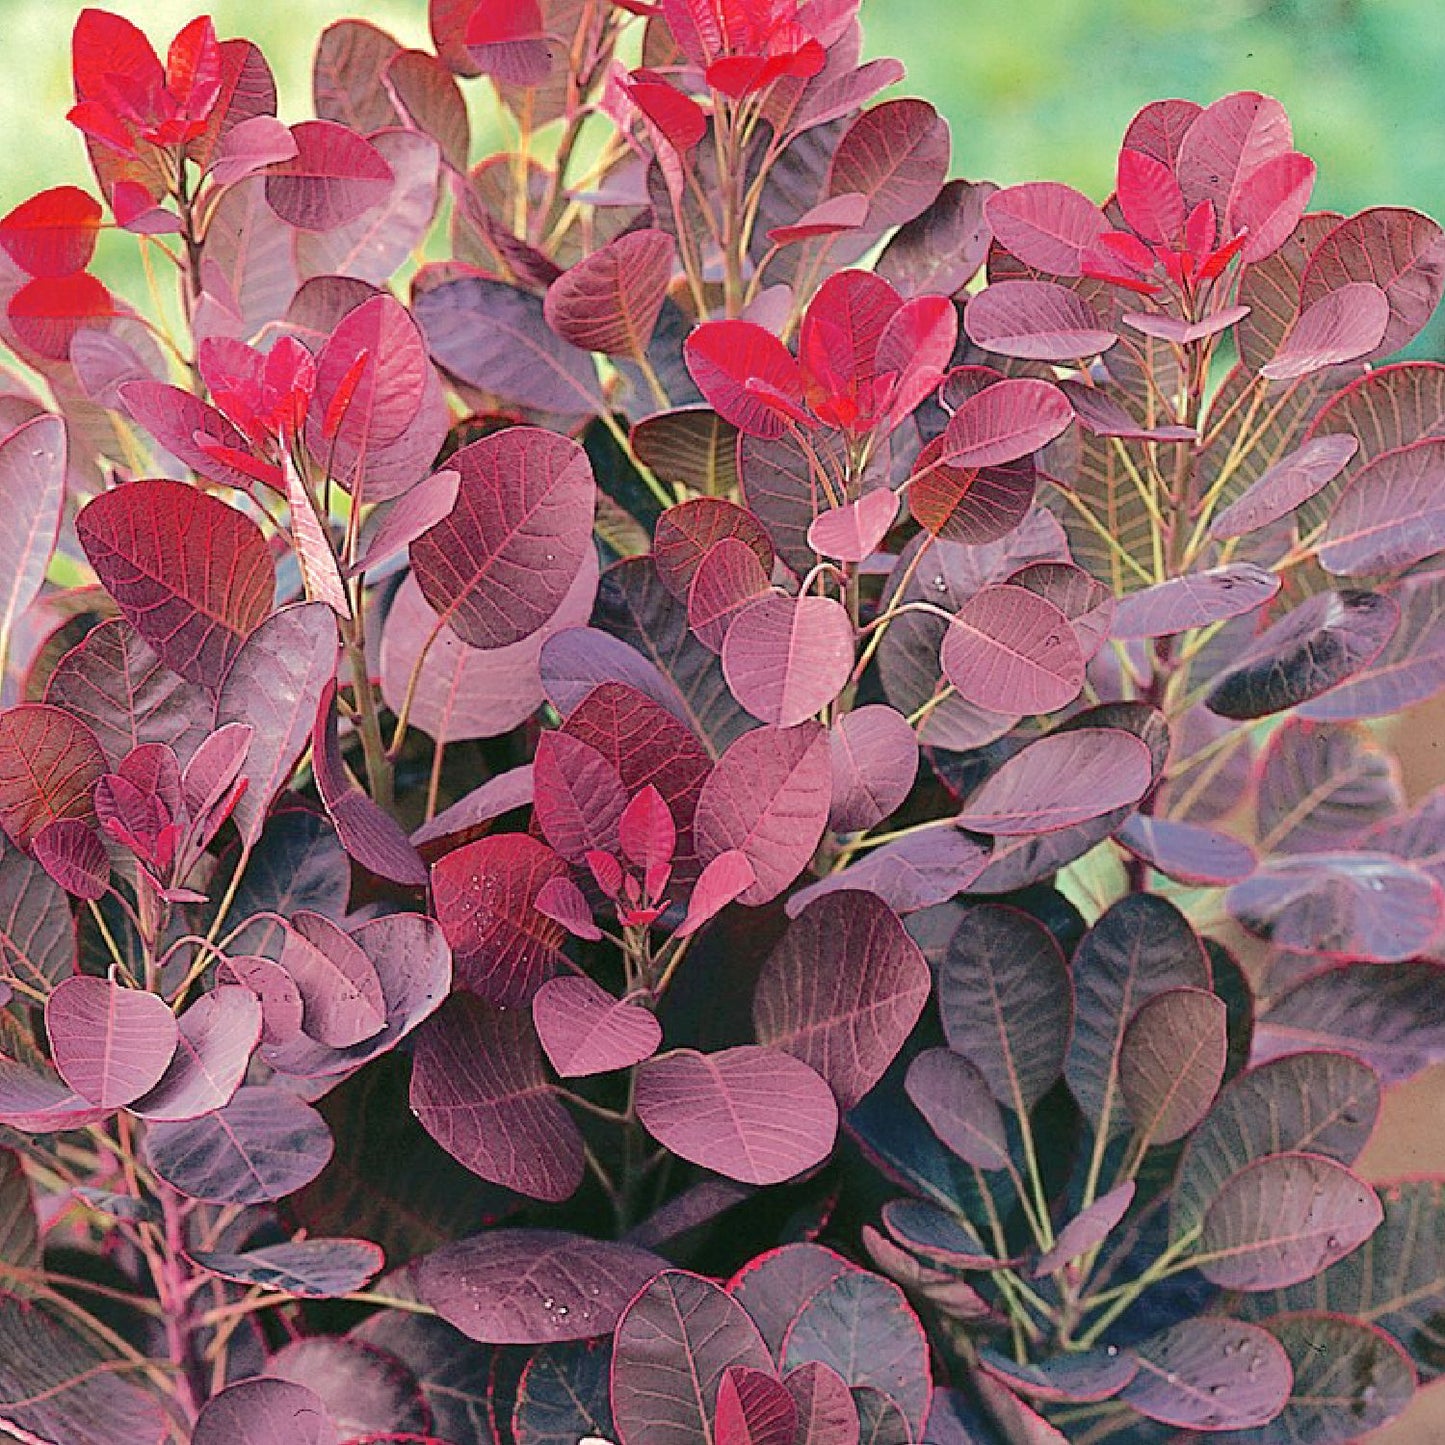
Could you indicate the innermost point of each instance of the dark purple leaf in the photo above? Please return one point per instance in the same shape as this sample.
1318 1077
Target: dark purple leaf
956 1101
1390 1015
584 1030
533 1286
895 154
563 1395
334 176
1083 1378
110 1044
673 1346
1389 514
265 1412
49 764
193 576
850 1024
753 1408
265 1144
274 687
940 251
610 301
786 658
913 872
1006 1002
1284 1219
1184 603
1288 484
1036 319
480 1089
1087 1230
37 931
579 659
1210 1373
752 1114
768 799
1140 948
495 339
1171 1062
1188 852
1048 226
71 852
498 795
1011 651
371 836
690 444
727 581
954 1419
1320 644
216 1037
503 562
1088 604
874 757
826 1412
306 1268
1066 778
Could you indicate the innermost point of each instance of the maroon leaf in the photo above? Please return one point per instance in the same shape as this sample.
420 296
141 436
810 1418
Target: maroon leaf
673 1348
1062 780
217 1034
71 852
578 797
263 1411
1086 1231
49 764
1341 326
786 658
1210 1373
687 533
1226 144
1171 1062
1046 225
1188 852
370 835
485 898
1007 1003
305 1268
110 1044
1005 421
1035 319
533 1286
1389 515
1184 603
896 154
274 687
264 1145
768 799
826 1411
754 1409
334 176
193 432
1011 651
1288 484
874 757
508 42
503 562
849 1024
1284 1219
610 301
970 505
480 1089
958 1105
722 1111
584 1030
498 795
193 576
418 511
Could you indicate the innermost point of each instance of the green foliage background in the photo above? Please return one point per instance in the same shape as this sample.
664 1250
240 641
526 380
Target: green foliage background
1033 88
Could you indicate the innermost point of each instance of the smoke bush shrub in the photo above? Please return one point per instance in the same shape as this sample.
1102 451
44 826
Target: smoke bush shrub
692 785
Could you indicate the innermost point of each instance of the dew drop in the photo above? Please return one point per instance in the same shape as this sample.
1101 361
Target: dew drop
1111 1351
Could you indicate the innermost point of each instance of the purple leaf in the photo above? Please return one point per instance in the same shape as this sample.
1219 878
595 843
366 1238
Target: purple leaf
1084 1378
1140 948
1284 1219
768 799
561 900
503 562
367 1391
110 1044
274 687
193 576
1184 333
71 852
940 251
37 931
333 178
563 1394
265 1144
1009 650
578 797
265 1412
1048 226
1040 320
874 756
724 880
849 1025
854 532
911 873
1188 852
584 1030
1086 1231
533 1286
754 1409
371 836
1088 604
251 146
40 1103
1323 642
896 154
958 1105
305 1268
485 899
498 795
1007 1003
1389 514
752 1114
409 516
1288 484
1099 413
1171 1062
787 658
610 301
1390 1015
1005 421
1341 326
191 430
1210 1373
32 491
727 581
480 1089
217 1034
1226 144
1199 600
673 1347
1062 780
1269 203
281 1007
340 990
826 1412
1149 196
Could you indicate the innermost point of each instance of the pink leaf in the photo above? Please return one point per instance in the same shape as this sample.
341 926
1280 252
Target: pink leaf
586 1031
725 879
854 532
786 658
1149 196
1270 202
1048 226
1035 319
110 1044
1005 421
874 757
1341 326
334 176
1009 650
561 900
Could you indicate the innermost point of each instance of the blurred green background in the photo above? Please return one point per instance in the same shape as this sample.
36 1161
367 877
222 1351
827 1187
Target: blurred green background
1033 88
